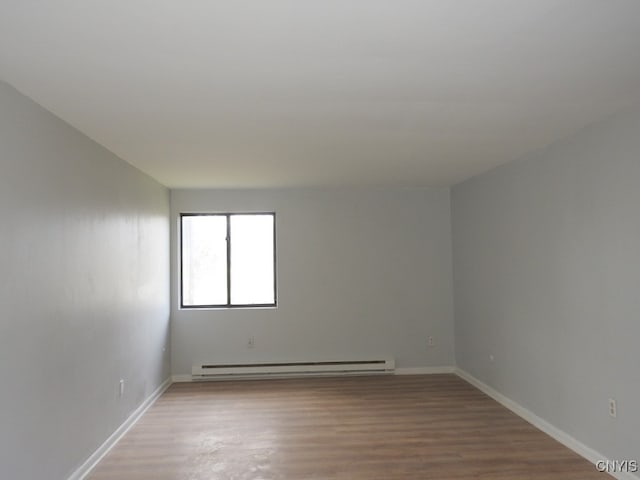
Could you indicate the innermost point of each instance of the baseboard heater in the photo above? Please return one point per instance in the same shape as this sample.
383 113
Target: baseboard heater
282 369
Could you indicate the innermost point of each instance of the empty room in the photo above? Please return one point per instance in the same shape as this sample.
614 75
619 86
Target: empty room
320 240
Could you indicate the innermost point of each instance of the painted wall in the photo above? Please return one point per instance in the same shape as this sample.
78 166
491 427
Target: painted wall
360 272
547 280
84 249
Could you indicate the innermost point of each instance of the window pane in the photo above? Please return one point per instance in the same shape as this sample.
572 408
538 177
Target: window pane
204 260
252 259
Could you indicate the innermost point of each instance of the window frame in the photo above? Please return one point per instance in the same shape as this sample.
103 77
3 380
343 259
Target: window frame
228 305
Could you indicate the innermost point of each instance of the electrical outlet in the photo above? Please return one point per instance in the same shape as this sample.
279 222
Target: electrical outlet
251 342
613 408
121 387
431 342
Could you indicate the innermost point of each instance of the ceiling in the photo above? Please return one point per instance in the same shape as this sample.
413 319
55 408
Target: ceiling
282 93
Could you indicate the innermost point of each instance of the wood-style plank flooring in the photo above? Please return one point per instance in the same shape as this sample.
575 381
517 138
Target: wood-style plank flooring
355 428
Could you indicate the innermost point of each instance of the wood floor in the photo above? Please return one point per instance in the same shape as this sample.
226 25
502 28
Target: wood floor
356 428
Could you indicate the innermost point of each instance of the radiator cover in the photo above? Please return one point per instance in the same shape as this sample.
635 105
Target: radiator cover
299 368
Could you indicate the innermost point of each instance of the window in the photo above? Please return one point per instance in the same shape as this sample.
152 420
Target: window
227 260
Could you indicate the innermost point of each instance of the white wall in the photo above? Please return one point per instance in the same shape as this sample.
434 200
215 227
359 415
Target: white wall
360 272
83 290
547 279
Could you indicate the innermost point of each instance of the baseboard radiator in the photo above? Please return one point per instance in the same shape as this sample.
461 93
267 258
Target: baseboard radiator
218 371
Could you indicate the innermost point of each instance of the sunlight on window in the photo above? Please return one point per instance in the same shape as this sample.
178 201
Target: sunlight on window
204 260
252 279
206 267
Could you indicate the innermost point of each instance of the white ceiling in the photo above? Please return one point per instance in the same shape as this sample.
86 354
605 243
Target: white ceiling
263 93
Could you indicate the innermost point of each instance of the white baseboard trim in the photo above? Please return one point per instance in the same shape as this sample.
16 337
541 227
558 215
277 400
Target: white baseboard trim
541 424
425 370
100 453
185 378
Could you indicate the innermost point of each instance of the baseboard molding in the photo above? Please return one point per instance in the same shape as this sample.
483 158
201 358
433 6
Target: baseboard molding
567 440
425 370
99 454
185 378
275 376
